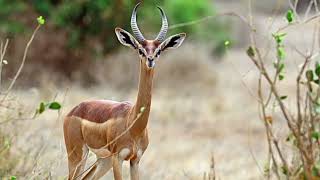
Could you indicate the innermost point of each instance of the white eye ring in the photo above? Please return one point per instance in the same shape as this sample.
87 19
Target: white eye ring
141 52
158 53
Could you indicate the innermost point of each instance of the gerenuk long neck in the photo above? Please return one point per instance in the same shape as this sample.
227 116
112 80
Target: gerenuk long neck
143 100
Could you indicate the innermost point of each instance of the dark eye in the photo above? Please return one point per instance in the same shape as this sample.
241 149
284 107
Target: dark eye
141 53
158 53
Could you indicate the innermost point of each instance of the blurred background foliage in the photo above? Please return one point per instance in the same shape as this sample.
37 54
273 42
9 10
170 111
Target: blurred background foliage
88 26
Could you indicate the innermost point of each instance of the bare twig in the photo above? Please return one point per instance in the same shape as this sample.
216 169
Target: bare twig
3 50
294 8
316 6
204 19
315 17
302 135
306 14
22 63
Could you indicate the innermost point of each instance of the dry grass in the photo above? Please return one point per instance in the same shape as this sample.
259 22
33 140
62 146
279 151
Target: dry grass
190 119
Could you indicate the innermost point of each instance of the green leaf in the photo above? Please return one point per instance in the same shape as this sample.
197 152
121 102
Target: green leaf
279 38
281 77
315 135
283 97
41 20
290 16
251 52
309 75
281 67
281 53
13 178
42 107
54 105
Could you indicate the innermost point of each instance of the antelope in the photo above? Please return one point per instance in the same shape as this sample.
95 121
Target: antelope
117 131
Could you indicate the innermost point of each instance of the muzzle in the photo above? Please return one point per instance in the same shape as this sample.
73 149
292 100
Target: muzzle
150 63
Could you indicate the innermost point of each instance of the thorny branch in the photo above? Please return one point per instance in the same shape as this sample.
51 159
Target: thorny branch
301 126
307 149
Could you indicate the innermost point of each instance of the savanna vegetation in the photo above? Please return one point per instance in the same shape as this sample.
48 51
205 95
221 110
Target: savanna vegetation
239 100
88 27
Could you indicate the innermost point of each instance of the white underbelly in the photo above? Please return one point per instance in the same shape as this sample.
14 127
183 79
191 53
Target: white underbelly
124 154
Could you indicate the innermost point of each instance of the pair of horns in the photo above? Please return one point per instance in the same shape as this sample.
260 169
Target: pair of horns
135 29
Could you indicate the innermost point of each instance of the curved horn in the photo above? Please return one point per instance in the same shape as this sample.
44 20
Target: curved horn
164 28
134 25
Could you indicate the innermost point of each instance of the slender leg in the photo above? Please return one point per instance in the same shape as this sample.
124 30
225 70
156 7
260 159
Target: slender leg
75 147
76 161
102 166
117 167
117 160
134 170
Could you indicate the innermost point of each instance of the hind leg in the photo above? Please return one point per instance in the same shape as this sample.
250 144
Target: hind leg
76 149
76 162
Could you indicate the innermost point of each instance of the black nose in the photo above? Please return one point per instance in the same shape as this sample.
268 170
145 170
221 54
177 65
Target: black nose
150 63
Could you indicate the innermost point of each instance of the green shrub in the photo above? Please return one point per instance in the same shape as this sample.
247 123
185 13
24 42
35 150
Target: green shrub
85 21
8 11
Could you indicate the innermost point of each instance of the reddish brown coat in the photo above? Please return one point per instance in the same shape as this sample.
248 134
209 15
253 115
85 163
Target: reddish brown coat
99 111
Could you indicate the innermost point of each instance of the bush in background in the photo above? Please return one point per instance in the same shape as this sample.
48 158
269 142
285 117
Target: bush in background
89 25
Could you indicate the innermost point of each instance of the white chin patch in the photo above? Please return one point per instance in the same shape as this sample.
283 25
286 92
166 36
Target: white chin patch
150 64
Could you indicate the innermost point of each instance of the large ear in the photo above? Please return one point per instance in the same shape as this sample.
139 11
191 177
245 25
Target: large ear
126 38
173 42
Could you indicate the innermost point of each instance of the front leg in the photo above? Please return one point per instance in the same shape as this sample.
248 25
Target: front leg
117 160
134 170
117 167
134 166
